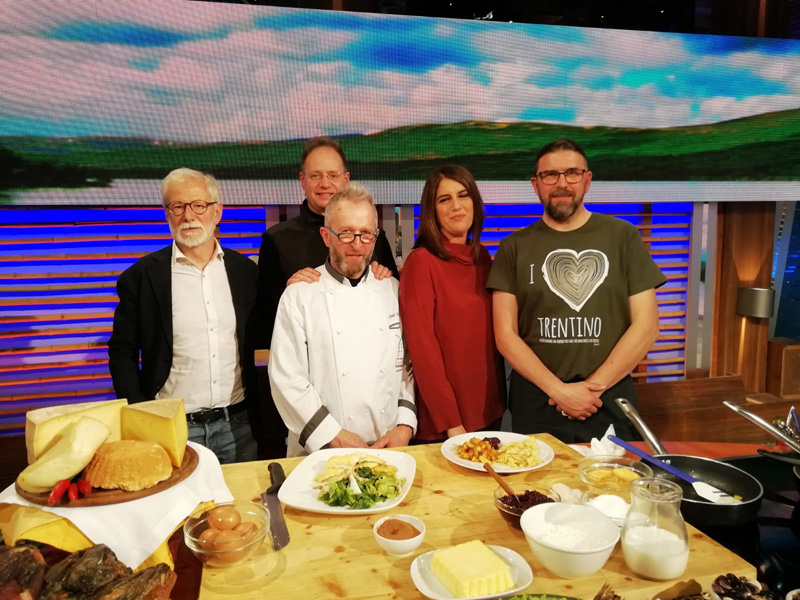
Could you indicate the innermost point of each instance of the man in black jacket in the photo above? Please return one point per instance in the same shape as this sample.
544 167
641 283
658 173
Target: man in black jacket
185 309
291 251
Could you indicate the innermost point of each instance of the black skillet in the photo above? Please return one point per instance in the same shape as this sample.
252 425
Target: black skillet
728 478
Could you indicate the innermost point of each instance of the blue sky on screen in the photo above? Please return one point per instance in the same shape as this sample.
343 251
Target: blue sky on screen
205 72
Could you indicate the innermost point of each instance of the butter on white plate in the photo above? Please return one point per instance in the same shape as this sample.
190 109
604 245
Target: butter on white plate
430 586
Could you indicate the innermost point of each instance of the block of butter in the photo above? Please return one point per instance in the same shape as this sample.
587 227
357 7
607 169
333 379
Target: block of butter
161 421
472 569
45 426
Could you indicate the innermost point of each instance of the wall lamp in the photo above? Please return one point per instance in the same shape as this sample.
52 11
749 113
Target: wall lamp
755 302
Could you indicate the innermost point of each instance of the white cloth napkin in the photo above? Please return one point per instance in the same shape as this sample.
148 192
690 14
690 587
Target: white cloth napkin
135 529
601 447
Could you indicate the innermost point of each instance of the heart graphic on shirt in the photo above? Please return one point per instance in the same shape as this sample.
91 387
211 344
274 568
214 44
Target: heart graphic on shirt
575 276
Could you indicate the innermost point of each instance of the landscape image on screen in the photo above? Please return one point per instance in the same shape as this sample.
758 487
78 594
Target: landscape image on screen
101 99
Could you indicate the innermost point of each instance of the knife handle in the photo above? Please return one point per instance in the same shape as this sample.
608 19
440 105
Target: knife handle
276 476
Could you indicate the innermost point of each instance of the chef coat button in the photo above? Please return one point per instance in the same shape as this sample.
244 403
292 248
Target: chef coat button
338 331
382 328
344 373
381 412
383 371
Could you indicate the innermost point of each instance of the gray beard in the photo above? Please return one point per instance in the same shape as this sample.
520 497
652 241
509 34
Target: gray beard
560 214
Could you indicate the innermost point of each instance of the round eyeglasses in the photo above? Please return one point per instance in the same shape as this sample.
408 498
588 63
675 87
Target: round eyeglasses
198 207
570 176
349 238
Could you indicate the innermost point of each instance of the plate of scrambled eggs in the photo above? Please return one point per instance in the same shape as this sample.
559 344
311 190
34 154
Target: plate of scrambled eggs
507 452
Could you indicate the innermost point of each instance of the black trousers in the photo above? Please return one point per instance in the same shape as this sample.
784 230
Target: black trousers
530 413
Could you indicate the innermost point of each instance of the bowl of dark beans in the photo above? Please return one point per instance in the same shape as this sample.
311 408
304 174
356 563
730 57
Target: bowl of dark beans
525 496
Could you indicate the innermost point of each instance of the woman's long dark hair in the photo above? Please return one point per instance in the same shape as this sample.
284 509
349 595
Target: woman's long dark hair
430 234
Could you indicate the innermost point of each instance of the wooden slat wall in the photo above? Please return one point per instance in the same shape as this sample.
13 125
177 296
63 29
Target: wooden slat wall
58 270
666 230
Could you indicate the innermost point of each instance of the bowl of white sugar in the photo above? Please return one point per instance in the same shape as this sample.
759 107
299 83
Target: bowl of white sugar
569 540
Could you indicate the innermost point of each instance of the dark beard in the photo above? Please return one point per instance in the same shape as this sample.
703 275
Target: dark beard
561 213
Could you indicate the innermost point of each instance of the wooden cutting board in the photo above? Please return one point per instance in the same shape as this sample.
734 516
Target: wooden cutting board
100 497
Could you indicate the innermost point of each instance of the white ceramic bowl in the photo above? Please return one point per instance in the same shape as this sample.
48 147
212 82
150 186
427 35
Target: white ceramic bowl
400 548
570 540
793 594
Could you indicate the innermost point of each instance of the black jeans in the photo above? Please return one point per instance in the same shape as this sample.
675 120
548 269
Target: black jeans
530 413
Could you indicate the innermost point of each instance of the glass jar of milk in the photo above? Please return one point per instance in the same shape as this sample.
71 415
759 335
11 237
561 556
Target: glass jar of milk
654 539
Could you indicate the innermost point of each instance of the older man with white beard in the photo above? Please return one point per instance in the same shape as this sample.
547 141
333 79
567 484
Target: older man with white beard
184 309
338 366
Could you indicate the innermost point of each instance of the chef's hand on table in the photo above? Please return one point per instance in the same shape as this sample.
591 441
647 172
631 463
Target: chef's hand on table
454 431
347 439
394 438
578 400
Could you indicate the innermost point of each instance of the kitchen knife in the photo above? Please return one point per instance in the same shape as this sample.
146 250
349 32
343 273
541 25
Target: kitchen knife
277 525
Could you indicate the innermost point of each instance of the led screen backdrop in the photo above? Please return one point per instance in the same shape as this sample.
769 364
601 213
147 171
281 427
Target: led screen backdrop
100 99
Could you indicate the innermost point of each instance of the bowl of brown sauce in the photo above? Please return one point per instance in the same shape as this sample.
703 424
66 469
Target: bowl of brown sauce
399 535
525 496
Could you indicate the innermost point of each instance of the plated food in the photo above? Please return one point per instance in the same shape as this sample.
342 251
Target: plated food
319 486
471 571
76 448
507 452
358 481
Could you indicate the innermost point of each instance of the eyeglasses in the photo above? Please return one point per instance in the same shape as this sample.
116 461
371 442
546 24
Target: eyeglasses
570 175
333 176
349 238
198 207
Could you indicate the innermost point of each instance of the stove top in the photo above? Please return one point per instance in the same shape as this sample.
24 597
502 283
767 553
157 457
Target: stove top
772 542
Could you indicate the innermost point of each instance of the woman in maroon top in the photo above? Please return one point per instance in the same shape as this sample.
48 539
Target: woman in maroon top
447 312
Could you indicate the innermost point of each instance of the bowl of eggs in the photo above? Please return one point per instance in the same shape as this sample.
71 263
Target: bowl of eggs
226 534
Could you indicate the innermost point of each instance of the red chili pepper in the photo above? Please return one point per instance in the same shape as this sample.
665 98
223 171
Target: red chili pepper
57 491
84 487
72 492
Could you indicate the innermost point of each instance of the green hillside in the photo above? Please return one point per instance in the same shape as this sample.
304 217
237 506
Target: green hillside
763 147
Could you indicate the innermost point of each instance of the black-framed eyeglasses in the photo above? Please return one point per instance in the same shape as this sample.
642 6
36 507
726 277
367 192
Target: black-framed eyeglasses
570 175
198 207
349 238
333 176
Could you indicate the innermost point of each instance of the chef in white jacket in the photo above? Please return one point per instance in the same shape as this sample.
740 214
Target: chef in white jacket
338 367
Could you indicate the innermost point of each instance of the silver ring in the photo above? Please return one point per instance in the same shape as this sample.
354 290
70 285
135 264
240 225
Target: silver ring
565 414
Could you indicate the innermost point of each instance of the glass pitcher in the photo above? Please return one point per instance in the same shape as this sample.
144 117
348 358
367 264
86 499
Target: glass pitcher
654 539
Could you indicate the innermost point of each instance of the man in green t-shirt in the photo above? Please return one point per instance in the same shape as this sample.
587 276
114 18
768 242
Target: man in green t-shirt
574 307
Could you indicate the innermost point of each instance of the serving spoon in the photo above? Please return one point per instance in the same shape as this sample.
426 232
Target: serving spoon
501 482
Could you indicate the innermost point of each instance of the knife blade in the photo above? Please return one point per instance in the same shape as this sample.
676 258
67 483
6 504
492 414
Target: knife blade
277 524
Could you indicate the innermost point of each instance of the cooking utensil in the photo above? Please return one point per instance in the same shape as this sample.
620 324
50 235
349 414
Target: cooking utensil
704 490
793 458
277 524
768 427
501 482
724 476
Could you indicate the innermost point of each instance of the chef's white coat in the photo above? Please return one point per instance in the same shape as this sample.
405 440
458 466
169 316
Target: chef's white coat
338 361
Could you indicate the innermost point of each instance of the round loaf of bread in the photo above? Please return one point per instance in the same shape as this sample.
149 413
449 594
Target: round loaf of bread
129 465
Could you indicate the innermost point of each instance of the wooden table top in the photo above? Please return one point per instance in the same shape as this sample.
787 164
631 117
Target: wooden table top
332 556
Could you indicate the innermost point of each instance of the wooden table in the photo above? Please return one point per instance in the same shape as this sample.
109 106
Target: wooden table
337 557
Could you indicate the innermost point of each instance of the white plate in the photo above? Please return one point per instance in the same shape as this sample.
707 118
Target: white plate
297 490
546 453
430 586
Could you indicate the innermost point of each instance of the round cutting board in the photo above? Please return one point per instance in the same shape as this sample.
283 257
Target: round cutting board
100 497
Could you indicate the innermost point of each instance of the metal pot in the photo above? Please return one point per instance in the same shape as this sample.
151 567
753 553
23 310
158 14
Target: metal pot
719 474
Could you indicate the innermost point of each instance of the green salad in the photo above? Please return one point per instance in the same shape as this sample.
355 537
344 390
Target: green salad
358 481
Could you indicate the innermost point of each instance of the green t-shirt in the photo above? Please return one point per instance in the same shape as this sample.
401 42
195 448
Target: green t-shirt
572 289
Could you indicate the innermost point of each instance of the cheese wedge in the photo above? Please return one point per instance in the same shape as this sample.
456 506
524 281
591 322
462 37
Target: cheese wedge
67 458
45 426
161 421
472 569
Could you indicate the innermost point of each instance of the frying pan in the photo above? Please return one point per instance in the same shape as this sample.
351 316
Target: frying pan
719 474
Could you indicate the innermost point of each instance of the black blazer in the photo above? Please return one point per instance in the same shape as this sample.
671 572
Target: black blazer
143 325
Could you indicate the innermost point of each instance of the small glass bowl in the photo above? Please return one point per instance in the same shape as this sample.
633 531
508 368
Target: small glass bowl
512 513
598 472
197 523
591 495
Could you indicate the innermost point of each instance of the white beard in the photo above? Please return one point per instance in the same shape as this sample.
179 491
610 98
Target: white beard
192 242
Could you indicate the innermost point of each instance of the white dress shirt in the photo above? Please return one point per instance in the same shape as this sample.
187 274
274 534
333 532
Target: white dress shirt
205 355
